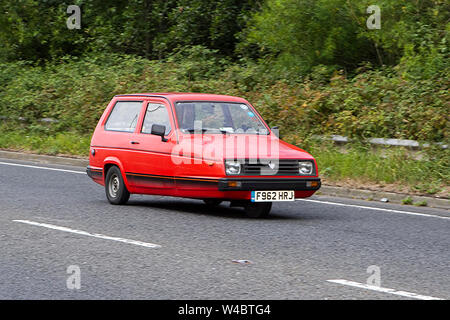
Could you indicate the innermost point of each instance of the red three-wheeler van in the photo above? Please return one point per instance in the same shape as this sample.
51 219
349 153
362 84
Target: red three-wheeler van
210 147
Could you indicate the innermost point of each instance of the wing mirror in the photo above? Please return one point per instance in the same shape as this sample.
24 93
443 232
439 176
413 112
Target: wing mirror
159 130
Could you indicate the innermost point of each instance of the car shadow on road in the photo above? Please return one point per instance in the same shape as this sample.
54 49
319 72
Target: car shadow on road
192 207
221 211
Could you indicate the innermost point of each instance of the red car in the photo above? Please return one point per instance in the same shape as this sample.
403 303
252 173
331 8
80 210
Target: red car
203 146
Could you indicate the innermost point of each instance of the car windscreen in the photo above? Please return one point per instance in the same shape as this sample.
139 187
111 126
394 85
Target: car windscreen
218 117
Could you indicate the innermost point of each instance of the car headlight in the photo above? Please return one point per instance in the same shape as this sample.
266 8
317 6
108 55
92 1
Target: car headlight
232 167
305 167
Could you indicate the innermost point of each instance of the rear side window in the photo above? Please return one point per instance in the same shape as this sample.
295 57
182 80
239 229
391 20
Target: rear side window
156 114
124 116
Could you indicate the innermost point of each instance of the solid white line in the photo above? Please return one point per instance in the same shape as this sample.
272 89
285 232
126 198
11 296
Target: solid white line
385 290
37 167
374 208
95 235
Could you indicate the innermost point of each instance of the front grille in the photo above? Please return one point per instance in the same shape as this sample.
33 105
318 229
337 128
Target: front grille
282 167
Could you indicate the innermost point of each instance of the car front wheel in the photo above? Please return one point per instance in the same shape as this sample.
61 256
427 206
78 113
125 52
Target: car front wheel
258 209
115 188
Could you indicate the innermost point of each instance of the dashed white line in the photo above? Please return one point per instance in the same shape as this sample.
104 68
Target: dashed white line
374 208
85 233
384 290
44 168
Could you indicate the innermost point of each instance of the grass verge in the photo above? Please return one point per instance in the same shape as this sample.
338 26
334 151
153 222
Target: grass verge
389 169
69 144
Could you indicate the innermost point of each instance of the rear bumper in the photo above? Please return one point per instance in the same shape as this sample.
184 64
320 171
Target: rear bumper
255 184
96 174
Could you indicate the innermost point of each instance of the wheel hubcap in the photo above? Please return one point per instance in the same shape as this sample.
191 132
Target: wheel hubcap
114 184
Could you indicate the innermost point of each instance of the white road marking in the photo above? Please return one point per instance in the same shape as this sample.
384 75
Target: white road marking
374 208
95 235
37 167
384 290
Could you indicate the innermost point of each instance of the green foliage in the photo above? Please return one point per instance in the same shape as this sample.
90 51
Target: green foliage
422 203
407 201
54 144
308 33
372 104
36 29
376 103
418 26
395 166
197 63
291 37
72 91
334 33
212 24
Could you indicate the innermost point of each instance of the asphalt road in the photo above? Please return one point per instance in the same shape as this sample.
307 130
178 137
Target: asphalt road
292 255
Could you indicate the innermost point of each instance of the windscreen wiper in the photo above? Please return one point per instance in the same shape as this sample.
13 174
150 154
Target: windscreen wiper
192 130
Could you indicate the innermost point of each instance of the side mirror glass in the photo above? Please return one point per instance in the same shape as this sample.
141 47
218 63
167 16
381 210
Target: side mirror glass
159 130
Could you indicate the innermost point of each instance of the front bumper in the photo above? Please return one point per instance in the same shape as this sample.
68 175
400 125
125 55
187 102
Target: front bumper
256 184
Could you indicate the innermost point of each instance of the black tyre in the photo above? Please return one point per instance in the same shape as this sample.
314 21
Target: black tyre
212 202
257 209
115 188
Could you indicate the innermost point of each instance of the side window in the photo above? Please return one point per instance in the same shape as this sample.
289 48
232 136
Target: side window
156 114
124 116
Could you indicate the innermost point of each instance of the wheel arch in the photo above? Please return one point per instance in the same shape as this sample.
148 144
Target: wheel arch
114 161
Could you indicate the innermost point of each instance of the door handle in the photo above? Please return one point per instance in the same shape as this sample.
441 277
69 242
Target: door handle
134 142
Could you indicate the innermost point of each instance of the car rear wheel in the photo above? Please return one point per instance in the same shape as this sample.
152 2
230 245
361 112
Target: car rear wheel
212 202
258 209
115 188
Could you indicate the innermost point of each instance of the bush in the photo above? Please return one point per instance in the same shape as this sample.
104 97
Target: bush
375 103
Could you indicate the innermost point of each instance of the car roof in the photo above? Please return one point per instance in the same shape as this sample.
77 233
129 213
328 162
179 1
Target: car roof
187 96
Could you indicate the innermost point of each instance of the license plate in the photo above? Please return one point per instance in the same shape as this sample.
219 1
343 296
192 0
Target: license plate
269 196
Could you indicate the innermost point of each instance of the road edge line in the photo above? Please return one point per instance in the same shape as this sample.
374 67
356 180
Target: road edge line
383 290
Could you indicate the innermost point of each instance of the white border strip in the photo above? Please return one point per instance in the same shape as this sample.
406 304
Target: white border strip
384 290
374 208
95 235
36 167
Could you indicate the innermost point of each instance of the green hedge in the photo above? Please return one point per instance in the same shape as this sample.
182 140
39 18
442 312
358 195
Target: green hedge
375 103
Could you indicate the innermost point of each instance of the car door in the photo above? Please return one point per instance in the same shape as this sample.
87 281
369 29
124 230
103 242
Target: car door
152 162
113 138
